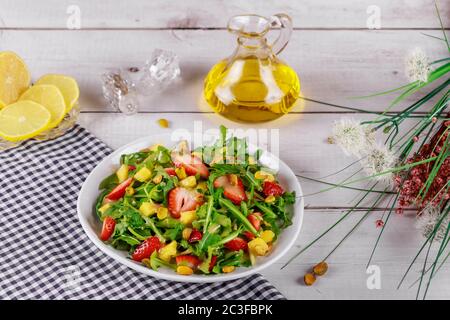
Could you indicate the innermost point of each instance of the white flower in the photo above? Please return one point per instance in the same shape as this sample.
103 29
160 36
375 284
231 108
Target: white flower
352 136
417 66
377 160
428 221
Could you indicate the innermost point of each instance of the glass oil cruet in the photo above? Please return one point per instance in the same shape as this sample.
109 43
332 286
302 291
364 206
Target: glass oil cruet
253 85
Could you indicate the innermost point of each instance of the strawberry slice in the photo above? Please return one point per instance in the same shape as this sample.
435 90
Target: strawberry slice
146 248
272 189
170 171
212 263
188 260
236 244
255 219
119 191
191 164
249 235
181 199
108 228
195 236
233 188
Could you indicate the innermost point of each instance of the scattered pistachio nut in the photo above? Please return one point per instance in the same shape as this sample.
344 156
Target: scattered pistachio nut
330 140
184 270
321 268
129 190
270 199
309 279
157 179
163 123
186 233
228 269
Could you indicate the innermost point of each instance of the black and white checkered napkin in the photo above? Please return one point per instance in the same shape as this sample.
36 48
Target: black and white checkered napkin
44 252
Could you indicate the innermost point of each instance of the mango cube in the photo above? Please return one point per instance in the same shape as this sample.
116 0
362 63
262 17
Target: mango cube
168 251
122 173
143 174
187 217
147 209
104 207
268 236
189 182
258 247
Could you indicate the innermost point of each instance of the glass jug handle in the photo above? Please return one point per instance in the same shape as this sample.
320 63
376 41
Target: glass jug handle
284 22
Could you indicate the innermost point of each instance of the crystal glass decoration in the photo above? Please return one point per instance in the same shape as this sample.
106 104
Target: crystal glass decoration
160 71
119 91
123 87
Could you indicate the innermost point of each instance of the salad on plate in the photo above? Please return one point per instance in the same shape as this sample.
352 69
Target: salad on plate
206 211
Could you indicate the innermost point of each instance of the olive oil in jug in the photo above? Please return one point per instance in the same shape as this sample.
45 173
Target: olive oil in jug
253 85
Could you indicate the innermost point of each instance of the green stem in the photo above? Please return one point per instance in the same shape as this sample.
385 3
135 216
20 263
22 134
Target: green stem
329 228
354 227
235 211
208 213
228 238
382 230
401 168
346 187
152 226
421 248
137 235
267 211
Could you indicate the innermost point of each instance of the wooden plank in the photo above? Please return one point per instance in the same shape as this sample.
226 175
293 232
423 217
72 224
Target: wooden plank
333 65
195 14
302 145
347 277
310 155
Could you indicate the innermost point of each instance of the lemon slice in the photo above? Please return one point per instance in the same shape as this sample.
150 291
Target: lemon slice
67 85
14 77
50 97
23 120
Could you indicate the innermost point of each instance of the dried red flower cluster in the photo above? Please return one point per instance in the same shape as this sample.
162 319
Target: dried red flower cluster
410 184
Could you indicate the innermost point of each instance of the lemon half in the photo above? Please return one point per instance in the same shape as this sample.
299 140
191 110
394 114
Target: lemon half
23 120
50 97
14 77
67 85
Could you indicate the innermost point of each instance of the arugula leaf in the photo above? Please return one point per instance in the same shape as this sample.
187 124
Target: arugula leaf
174 233
235 211
133 218
235 258
109 182
129 240
210 237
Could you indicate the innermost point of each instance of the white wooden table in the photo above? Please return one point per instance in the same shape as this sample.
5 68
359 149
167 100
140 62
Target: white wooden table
332 50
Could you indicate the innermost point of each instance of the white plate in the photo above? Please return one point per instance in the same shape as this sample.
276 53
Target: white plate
92 226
